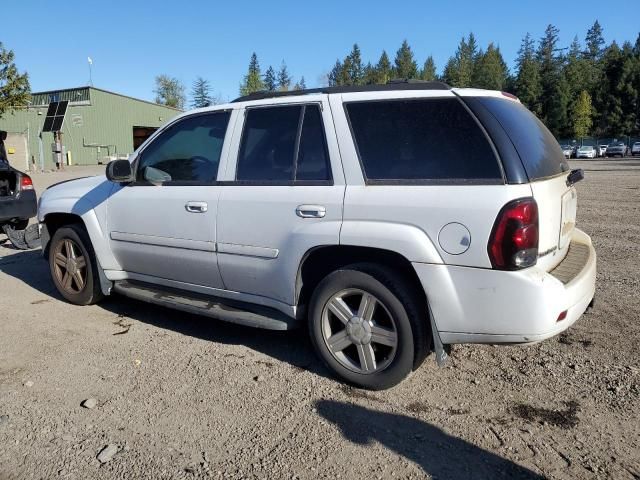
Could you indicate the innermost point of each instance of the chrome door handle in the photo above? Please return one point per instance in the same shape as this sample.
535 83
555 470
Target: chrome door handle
311 211
196 207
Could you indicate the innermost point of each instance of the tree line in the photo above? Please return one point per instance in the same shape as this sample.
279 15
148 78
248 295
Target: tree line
588 88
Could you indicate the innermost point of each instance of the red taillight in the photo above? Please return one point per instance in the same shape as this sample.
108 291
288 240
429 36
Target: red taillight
514 239
510 95
25 182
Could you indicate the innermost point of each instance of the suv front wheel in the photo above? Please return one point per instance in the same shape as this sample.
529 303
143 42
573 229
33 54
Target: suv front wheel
73 266
367 325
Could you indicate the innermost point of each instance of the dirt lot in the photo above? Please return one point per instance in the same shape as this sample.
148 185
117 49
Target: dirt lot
181 396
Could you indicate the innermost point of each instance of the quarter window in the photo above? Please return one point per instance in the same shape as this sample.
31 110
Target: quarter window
188 151
283 144
421 139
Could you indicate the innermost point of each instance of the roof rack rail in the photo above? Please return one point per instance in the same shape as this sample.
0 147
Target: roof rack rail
395 84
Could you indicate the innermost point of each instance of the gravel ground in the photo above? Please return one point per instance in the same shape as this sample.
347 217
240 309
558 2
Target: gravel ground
179 396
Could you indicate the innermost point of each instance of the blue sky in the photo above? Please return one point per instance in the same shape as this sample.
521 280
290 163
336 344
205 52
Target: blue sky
131 42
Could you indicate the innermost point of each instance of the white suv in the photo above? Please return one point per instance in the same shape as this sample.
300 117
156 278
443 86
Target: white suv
394 219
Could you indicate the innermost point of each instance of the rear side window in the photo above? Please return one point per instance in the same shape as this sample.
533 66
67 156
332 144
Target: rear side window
283 144
421 139
538 149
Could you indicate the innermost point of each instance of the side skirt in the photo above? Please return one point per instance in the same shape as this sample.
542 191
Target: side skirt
222 309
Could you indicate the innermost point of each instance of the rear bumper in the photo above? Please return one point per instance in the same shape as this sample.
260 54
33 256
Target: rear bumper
472 305
21 207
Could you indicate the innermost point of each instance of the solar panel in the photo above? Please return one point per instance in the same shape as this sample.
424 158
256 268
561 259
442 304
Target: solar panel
55 116
48 123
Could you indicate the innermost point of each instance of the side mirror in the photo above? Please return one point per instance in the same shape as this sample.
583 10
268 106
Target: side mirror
119 171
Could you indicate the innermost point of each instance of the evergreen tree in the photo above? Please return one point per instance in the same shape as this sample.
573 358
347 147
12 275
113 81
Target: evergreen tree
301 85
428 71
284 79
595 42
527 84
170 92
201 93
356 72
555 89
14 86
459 71
582 115
405 64
490 70
344 76
253 79
270 81
335 74
383 71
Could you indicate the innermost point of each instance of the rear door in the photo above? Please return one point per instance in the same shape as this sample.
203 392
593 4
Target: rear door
547 171
283 196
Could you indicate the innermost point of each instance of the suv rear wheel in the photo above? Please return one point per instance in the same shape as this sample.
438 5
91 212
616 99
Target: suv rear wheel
73 266
367 325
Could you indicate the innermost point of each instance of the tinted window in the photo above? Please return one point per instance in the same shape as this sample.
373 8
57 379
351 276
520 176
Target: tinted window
187 151
268 143
313 160
430 139
268 150
538 149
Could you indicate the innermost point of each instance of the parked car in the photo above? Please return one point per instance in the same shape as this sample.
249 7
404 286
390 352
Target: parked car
586 151
18 201
635 149
603 150
617 149
391 219
566 150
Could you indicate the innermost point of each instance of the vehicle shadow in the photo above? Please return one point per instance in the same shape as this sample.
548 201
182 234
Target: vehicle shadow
439 454
292 347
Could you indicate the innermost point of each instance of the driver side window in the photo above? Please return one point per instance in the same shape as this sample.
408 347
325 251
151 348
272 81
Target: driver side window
188 151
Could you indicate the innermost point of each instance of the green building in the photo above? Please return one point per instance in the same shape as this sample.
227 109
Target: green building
98 126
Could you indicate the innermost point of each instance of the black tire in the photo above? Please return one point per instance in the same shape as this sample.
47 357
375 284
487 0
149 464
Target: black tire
402 301
90 292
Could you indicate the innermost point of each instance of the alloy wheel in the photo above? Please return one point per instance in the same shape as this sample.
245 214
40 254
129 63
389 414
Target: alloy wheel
70 266
359 331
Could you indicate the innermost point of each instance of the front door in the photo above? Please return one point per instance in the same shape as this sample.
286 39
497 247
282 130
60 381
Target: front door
163 225
282 197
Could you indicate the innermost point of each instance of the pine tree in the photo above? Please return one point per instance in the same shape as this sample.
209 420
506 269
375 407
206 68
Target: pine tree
383 71
284 79
527 84
301 85
555 90
14 86
582 115
356 72
370 74
344 76
490 70
201 93
270 82
459 70
253 79
170 92
595 42
335 74
428 71
405 65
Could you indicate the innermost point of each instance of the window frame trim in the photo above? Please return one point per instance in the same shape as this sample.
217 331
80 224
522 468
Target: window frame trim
285 183
161 131
425 181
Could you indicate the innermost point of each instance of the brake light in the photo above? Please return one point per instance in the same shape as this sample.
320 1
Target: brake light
510 95
26 183
514 239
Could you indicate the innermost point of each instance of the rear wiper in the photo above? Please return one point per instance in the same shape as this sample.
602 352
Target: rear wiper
575 176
